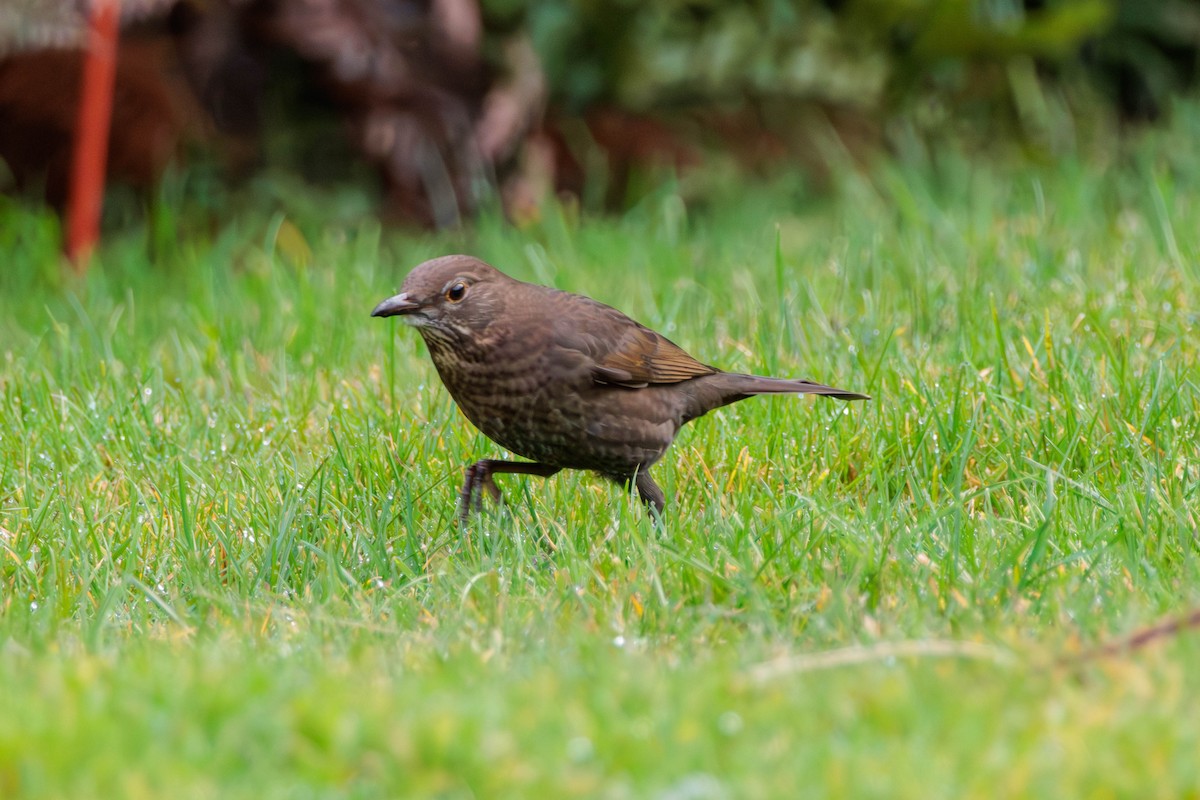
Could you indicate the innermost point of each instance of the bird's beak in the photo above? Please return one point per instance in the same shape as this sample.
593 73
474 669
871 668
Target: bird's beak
394 306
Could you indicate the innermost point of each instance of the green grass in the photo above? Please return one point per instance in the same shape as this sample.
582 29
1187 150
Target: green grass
229 564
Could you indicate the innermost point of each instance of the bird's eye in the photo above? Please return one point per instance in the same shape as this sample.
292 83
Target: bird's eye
456 292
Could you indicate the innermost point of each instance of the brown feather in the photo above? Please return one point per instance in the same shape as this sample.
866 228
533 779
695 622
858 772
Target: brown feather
617 350
644 357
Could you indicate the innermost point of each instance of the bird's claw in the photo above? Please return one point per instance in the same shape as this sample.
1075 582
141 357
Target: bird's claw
477 479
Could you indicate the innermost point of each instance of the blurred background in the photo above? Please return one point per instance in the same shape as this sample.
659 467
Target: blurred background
436 110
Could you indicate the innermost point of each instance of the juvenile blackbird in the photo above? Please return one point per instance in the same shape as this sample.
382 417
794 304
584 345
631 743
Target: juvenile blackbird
560 378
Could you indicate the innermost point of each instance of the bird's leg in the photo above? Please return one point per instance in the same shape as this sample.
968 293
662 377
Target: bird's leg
650 493
478 479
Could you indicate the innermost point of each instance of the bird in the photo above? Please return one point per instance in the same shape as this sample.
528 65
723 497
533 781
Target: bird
561 379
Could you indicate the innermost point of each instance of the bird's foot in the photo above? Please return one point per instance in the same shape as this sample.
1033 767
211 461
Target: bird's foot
477 480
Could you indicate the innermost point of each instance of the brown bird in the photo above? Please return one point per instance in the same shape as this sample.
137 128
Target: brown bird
560 378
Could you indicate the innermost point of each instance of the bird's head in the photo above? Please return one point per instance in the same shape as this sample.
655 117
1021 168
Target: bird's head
452 295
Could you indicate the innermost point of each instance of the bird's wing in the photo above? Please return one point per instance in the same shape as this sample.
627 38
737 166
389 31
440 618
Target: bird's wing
642 357
622 352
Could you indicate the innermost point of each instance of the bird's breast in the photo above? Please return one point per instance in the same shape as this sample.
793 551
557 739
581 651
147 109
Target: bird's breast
544 406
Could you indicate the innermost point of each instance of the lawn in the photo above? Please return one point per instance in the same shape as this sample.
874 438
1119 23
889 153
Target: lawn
230 564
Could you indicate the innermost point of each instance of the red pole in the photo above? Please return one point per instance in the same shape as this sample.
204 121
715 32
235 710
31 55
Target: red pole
91 132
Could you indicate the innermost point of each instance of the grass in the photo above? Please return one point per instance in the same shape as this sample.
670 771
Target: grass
229 563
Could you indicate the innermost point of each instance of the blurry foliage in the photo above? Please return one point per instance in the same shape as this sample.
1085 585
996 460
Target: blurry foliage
650 55
456 105
880 56
1151 52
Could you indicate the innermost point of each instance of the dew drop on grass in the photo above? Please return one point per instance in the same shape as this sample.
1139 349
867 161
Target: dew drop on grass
618 641
729 723
579 748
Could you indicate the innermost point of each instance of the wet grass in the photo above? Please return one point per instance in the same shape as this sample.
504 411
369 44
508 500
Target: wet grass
229 563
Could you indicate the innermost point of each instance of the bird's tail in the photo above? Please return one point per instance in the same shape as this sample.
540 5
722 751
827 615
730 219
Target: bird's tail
709 392
740 386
